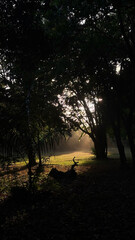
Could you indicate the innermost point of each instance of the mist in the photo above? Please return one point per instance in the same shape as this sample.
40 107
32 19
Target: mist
84 144
75 143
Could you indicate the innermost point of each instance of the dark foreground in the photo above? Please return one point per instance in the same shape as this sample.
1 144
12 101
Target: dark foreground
97 205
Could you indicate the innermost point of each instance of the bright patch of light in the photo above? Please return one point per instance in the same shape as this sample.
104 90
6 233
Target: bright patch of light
98 99
118 67
82 22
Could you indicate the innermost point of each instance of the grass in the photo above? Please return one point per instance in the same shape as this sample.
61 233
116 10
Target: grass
99 204
67 159
17 173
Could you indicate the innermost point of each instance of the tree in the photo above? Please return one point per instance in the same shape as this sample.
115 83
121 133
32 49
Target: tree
26 49
125 15
85 111
92 52
84 60
70 64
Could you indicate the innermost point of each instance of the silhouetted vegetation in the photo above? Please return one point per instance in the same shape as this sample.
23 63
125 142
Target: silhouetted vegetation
66 66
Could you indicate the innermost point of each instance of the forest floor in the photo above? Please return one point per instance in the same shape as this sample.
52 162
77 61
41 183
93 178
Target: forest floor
98 204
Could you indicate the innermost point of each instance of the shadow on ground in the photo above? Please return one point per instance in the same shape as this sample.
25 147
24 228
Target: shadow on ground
98 205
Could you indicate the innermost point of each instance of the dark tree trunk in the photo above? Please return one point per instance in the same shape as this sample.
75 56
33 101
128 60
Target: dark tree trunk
29 142
100 144
100 150
32 161
39 153
131 142
30 175
31 154
120 145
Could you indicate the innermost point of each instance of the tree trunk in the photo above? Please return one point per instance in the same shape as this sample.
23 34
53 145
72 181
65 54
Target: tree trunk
100 144
31 154
131 142
31 157
30 175
39 152
120 145
100 151
32 160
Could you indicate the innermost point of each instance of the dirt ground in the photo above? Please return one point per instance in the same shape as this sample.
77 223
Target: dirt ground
98 205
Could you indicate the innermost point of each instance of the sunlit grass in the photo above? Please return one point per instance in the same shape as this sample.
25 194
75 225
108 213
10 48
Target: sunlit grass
84 158
63 159
67 159
21 163
17 175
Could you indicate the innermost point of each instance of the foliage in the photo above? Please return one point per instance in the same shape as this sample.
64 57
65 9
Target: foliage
94 56
30 106
40 61
79 53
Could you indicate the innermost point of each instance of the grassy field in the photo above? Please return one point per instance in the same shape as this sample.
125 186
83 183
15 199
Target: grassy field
99 204
16 174
67 159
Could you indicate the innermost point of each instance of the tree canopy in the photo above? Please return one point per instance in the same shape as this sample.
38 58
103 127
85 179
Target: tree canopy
81 51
